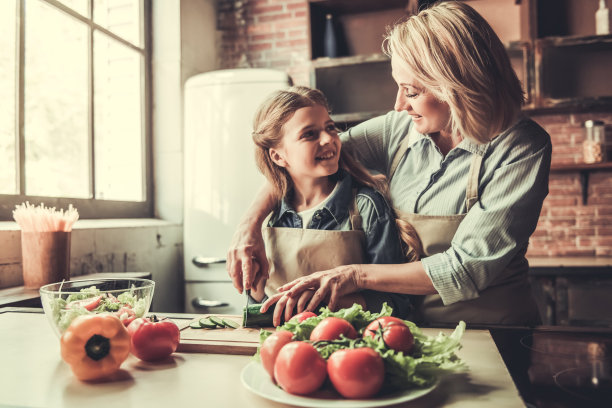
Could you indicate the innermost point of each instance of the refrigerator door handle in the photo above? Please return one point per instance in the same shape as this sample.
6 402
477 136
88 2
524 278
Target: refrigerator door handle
200 303
204 261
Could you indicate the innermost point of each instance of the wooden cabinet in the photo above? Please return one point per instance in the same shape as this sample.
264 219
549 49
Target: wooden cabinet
561 63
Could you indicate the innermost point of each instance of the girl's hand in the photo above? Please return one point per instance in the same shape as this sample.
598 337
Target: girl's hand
333 285
247 264
287 305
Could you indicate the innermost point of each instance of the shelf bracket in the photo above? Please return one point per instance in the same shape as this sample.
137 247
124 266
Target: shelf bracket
584 183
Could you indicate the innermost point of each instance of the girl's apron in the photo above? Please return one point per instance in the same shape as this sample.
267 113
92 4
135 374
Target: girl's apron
296 252
507 300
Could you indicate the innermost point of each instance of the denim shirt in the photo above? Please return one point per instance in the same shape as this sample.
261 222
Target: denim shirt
382 240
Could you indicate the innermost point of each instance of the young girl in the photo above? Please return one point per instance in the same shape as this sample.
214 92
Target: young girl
330 210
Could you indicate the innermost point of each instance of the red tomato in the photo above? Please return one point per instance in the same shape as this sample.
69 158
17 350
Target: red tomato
153 339
270 348
300 317
396 334
331 328
356 373
299 369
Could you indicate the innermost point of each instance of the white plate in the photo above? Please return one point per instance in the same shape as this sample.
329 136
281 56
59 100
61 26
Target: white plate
257 380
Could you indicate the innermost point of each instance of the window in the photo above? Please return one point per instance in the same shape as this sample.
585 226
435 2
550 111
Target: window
74 109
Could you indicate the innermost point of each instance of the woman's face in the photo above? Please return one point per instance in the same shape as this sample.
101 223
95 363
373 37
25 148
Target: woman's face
310 147
428 113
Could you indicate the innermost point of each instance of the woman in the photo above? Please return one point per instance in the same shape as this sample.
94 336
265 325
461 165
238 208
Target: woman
465 168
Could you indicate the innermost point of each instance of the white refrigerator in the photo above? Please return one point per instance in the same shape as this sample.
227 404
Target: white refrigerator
221 177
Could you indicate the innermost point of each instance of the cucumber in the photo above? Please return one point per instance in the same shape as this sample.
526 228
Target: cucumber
230 324
216 320
195 325
206 323
252 317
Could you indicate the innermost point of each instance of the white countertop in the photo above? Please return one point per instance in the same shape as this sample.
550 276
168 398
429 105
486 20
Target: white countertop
34 375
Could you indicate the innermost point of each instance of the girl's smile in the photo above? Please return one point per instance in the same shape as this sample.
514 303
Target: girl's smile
310 148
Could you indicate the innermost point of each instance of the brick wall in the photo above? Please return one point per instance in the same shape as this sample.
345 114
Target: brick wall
275 35
567 227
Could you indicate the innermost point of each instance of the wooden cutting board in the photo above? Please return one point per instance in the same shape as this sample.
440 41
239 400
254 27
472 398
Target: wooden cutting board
242 341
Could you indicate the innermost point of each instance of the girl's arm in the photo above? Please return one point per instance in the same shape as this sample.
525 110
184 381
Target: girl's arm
247 243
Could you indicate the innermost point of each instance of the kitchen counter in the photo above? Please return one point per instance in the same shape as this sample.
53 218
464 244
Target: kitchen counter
34 375
569 265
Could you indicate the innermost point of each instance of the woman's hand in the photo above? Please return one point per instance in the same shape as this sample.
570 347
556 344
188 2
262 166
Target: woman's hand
287 305
332 285
247 264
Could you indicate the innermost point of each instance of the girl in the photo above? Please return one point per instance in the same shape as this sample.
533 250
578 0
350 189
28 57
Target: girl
330 211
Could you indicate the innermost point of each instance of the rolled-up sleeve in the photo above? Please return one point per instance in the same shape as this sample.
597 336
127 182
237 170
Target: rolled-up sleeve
496 229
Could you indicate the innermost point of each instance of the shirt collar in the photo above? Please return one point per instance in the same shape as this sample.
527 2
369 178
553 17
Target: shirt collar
337 206
465 144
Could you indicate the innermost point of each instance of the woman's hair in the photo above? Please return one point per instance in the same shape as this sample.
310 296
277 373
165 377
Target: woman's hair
456 56
268 124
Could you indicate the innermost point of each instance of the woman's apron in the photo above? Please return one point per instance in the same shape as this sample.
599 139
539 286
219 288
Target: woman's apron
296 252
507 300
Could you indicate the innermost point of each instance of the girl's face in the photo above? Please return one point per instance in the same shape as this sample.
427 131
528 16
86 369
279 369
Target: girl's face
310 147
428 113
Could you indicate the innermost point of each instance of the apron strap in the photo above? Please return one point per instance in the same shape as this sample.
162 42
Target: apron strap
402 149
471 191
354 216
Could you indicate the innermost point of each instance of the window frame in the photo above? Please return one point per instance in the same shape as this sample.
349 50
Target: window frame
89 208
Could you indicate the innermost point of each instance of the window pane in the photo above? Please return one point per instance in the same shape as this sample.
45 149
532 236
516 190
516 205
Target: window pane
80 6
7 96
118 118
122 17
56 104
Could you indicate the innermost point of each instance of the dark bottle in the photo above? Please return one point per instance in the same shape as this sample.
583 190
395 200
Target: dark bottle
330 46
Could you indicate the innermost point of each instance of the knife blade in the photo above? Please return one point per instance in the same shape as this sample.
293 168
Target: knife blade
246 306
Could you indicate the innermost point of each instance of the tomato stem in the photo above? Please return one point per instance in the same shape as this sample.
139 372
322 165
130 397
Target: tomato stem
97 347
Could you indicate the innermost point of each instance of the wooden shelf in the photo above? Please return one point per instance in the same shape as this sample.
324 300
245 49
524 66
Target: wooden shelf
564 168
326 62
584 169
358 6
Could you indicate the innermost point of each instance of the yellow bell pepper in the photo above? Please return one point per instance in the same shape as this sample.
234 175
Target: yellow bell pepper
95 346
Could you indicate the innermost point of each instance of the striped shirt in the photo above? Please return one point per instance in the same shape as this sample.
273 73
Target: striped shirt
513 183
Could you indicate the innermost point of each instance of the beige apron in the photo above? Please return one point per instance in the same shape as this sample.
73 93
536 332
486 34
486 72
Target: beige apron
296 252
507 300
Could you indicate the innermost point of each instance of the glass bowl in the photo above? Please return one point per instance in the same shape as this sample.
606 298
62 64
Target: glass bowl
126 298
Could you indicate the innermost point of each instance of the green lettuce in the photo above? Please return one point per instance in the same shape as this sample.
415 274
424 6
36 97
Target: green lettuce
432 356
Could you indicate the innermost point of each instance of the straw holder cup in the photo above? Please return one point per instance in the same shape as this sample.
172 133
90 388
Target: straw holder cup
45 257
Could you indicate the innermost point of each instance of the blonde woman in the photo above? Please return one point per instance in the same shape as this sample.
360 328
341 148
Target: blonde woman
329 211
466 169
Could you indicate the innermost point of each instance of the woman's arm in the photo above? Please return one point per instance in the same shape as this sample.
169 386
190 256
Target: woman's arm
247 243
333 284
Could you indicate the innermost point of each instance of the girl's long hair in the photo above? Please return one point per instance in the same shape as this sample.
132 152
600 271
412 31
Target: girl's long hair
269 120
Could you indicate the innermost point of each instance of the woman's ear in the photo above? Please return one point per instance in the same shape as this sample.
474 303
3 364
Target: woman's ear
277 158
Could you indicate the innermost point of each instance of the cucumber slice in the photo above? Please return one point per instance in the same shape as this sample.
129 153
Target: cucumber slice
216 320
230 324
206 323
195 325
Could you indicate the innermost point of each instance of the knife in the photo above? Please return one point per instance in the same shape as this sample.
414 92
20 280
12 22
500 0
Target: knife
246 307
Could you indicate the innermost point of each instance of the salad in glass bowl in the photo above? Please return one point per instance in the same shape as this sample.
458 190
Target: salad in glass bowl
126 298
